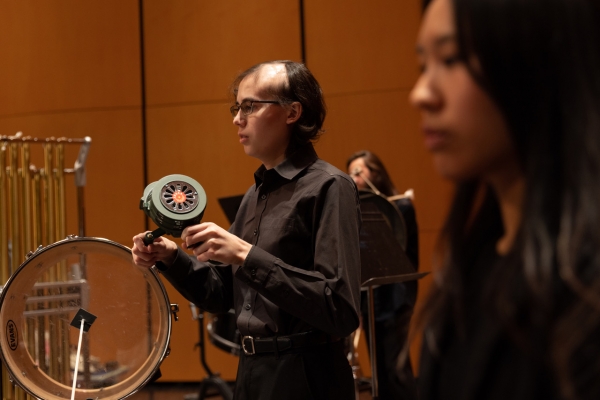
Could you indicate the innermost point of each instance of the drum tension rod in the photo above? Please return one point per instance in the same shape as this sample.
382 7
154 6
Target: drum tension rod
175 310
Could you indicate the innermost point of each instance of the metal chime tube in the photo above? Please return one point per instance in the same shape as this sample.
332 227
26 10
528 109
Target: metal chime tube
50 232
16 239
36 216
60 209
25 183
24 229
61 232
16 232
4 261
48 195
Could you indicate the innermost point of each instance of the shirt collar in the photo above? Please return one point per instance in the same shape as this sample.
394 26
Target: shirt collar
292 165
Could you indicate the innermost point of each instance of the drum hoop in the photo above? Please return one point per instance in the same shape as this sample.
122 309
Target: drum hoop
120 390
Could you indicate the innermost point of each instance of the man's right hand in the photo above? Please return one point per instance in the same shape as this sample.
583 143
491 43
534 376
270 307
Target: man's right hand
162 249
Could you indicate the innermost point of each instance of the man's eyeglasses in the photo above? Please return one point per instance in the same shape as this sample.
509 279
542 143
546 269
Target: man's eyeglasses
247 106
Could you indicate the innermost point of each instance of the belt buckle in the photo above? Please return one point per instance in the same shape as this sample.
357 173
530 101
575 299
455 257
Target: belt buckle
246 351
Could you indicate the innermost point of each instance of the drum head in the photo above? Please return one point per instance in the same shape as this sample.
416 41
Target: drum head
123 347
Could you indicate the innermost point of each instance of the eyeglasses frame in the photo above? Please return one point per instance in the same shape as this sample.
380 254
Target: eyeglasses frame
236 108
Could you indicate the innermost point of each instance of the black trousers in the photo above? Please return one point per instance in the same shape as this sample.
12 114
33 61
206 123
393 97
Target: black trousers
319 372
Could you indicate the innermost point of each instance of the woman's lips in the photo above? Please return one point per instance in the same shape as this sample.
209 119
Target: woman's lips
435 139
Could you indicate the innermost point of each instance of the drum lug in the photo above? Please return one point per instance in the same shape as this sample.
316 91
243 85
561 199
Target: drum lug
175 310
32 252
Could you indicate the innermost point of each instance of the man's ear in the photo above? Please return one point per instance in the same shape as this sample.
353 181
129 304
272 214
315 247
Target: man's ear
294 112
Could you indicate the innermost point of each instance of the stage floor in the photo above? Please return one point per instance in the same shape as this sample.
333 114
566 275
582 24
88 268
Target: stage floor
189 391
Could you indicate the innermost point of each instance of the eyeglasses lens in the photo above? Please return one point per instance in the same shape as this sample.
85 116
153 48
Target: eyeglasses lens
246 108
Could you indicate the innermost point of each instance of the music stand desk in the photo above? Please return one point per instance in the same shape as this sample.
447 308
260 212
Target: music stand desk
385 280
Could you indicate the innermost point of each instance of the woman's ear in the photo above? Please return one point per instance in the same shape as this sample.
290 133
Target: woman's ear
294 112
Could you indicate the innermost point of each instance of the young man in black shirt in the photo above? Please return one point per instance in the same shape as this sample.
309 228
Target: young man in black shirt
290 261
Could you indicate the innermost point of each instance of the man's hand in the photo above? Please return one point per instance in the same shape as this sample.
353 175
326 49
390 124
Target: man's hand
162 249
217 244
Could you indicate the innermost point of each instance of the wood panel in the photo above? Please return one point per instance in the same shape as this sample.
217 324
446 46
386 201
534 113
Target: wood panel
194 49
68 55
354 45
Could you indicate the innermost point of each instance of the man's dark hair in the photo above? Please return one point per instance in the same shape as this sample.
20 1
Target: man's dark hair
300 86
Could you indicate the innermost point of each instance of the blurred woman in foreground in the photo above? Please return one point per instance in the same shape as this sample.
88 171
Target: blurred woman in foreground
509 94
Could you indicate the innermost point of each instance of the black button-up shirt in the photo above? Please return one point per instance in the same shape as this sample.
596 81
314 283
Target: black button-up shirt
303 271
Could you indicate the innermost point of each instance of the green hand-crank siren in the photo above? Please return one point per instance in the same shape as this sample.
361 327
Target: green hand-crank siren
173 203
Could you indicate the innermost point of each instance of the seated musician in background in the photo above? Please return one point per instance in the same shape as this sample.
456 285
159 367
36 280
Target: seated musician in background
394 302
291 260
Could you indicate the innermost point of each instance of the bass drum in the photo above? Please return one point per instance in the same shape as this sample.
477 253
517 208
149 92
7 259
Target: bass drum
123 347
223 332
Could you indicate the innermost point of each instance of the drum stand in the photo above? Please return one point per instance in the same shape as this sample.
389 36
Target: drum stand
212 379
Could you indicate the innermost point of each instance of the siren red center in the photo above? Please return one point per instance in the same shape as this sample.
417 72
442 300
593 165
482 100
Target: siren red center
179 196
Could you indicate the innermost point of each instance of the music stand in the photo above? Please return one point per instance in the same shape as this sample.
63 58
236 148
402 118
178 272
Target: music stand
383 259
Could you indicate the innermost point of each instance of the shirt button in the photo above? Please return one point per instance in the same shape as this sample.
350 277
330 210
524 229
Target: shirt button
248 306
255 232
264 196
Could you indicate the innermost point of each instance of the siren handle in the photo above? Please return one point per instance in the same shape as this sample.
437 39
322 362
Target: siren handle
194 245
150 236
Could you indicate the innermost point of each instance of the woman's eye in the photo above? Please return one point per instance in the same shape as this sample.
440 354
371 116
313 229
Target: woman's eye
450 61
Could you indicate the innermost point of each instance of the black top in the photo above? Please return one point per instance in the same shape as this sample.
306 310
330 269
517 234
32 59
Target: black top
482 358
303 271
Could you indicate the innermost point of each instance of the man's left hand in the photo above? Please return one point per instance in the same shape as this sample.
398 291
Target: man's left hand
217 244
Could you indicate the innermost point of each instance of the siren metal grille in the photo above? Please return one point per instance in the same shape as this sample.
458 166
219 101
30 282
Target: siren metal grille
179 197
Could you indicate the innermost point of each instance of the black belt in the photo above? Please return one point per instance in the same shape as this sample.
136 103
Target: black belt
279 344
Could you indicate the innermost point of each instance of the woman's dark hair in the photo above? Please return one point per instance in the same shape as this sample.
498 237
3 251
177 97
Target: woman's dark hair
379 175
301 86
539 60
